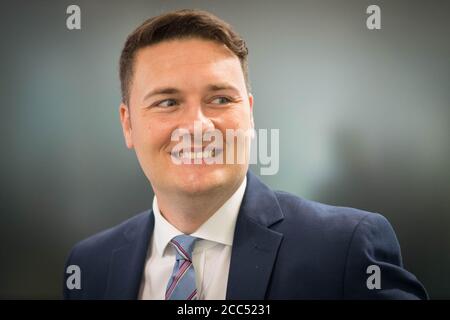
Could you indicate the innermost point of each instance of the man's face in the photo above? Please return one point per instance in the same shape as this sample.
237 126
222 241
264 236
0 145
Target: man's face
207 86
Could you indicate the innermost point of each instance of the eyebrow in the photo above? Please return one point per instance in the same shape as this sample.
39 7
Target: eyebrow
172 90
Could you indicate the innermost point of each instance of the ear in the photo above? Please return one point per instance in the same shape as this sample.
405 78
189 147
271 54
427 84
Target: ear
126 124
250 103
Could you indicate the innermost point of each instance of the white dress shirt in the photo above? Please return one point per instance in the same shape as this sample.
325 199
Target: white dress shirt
211 255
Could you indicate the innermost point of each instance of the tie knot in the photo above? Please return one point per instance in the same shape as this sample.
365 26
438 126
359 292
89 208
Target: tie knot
184 245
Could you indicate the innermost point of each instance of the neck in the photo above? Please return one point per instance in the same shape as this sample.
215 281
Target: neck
188 212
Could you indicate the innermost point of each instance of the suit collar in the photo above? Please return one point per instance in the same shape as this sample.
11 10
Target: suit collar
260 203
255 246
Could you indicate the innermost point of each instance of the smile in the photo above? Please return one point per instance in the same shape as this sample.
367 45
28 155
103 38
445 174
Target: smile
192 155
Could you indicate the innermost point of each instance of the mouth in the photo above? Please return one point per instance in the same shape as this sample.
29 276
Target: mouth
194 154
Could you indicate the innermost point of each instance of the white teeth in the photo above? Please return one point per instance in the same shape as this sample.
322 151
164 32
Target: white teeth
197 155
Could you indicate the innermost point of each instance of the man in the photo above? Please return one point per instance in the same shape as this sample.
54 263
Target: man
215 230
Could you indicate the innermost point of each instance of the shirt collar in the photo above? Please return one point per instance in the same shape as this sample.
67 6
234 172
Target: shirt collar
218 228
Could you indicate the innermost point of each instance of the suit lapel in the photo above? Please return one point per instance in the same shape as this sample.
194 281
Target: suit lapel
255 246
128 260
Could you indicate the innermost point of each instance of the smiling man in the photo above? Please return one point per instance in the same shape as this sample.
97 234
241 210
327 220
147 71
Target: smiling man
178 83
215 231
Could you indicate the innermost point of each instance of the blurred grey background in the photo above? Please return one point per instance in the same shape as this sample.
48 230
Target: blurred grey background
364 119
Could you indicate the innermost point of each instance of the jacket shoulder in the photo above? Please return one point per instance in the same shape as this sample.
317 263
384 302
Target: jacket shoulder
112 235
109 238
349 240
300 210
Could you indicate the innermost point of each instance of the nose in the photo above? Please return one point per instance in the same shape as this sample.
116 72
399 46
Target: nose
194 120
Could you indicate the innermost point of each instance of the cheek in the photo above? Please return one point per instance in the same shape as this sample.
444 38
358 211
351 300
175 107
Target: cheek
150 134
238 119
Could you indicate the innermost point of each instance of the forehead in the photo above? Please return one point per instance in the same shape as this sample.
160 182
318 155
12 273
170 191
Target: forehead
185 60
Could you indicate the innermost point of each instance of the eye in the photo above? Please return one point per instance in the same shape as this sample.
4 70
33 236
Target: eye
222 100
166 103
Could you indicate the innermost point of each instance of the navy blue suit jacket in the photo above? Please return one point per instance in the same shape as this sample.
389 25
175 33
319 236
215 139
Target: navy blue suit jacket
285 247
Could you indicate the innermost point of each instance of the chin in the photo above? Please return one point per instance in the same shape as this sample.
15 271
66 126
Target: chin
197 182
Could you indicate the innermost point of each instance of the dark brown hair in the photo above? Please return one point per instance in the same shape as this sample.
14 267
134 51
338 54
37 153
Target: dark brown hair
186 23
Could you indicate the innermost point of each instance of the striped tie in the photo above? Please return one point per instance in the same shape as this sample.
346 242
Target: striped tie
182 285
